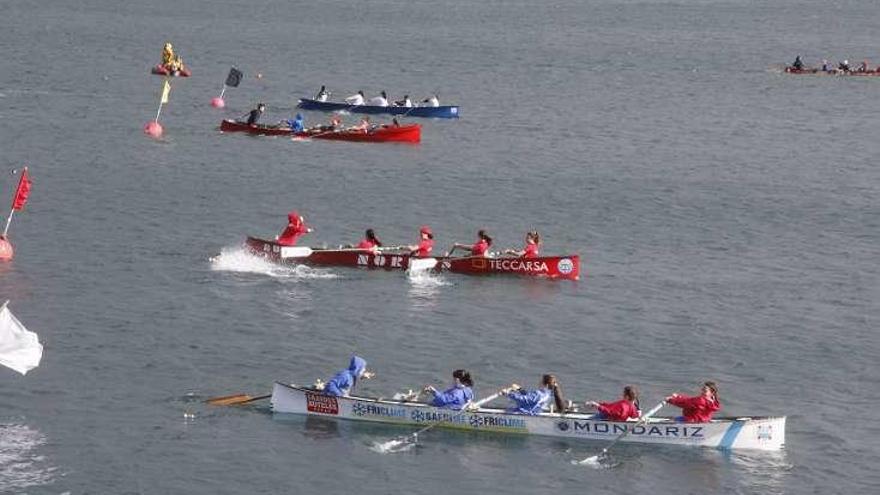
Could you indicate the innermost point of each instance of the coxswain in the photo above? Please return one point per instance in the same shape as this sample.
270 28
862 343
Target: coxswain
379 101
296 228
699 408
863 67
534 402
371 242
825 67
322 95
170 61
533 240
356 99
626 408
426 243
433 101
479 248
255 114
844 66
457 396
297 124
798 63
405 102
344 382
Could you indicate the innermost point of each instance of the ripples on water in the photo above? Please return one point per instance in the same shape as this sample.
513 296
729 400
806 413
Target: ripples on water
21 464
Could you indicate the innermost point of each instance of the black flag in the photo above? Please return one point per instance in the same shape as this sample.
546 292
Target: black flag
234 77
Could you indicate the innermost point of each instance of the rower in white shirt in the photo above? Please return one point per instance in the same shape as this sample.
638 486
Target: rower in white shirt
433 101
405 102
379 101
323 94
356 99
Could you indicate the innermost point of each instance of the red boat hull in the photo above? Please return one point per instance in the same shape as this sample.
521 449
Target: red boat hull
833 72
411 133
555 267
161 70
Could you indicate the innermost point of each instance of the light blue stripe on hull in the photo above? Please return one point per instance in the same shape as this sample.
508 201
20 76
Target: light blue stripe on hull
730 435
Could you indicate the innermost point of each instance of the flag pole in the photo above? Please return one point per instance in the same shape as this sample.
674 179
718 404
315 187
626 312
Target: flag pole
223 92
8 221
158 112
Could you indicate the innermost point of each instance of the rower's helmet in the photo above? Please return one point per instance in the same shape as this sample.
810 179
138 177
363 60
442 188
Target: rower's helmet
425 230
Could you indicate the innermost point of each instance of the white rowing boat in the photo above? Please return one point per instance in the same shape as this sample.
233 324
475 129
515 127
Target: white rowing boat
758 433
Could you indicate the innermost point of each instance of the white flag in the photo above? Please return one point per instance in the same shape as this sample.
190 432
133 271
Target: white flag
20 349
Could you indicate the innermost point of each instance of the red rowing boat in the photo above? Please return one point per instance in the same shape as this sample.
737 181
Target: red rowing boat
161 70
832 72
562 267
411 133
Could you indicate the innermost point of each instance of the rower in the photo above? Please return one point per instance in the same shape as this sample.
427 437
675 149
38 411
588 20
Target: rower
533 240
405 102
798 63
297 124
534 402
379 101
364 125
863 67
344 382
455 397
479 248
170 61
622 410
426 243
433 101
356 99
323 94
296 228
844 66
699 408
255 114
371 242
825 67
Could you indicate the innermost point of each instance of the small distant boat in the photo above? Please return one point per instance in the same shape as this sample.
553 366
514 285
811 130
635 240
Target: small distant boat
411 133
740 433
832 72
447 112
20 349
161 70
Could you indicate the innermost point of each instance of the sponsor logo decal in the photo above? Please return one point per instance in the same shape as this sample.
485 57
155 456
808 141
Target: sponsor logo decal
479 421
320 403
765 432
432 416
601 428
563 425
565 266
518 265
361 409
380 261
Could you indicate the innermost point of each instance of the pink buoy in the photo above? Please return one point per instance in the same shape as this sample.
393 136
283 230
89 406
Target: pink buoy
6 251
153 129
217 102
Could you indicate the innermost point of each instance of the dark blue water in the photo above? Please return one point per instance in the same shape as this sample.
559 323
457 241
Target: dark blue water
726 215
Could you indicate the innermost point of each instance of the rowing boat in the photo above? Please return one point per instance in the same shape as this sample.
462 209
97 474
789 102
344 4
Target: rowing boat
756 433
411 133
161 70
832 72
561 267
445 112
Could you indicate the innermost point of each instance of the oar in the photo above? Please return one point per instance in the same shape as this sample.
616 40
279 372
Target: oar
235 399
414 437
643 420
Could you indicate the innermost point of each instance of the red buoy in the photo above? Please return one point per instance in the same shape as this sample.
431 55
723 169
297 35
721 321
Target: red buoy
6 251
217 102
153 129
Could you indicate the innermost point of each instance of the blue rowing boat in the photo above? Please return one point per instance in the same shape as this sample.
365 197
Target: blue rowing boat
329 106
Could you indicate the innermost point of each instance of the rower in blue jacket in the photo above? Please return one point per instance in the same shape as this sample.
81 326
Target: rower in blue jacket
343 382
297 124
456 397
533 402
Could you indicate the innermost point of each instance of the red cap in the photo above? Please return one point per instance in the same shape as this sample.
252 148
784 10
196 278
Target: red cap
425 230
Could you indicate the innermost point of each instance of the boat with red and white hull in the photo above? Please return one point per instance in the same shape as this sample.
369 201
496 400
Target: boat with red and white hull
409 133
555 267
735 433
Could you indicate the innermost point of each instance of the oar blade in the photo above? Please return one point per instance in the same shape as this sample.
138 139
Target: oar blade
235 400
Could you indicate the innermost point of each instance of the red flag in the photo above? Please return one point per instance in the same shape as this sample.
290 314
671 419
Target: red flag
21 194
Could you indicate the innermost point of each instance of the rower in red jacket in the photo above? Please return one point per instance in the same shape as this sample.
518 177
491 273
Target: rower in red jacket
480 248
426 244
370 242
697 409
622 410
533 240
296 227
